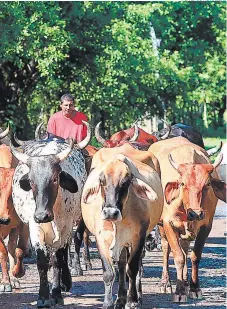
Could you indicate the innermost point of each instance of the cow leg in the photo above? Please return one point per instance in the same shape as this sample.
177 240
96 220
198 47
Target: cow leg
134 263
78 237
43 259
5 285
185 246
195 291
23 233
86 261
61 276
108 278
12 244
179 260
165 284
66 279
122 290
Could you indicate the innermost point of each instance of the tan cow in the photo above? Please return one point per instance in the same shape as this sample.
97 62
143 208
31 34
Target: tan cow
122 201
191 188
10 224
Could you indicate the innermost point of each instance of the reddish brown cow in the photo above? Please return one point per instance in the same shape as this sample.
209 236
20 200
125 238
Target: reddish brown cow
10 224
191 188
142 138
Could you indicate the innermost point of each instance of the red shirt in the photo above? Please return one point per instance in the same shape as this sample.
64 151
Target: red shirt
68 127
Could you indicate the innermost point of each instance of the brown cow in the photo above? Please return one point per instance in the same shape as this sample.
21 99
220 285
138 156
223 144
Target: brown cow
136 136
122 201
10 224
191 188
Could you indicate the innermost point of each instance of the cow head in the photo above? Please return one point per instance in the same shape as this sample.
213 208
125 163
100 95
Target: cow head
117 138
113 182
6 204
44 178
195 180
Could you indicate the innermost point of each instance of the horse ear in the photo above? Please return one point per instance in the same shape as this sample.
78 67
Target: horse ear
171 191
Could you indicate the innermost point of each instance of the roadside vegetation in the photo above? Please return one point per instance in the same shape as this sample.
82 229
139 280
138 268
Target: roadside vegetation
105 53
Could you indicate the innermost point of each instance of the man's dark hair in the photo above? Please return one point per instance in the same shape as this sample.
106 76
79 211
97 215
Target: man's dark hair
67 97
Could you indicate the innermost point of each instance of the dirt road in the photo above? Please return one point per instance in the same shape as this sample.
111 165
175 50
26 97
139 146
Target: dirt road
87 291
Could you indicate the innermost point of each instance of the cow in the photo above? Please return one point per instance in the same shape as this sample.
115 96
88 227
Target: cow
122 201
88 152
182 130
47 187
191 189
135 136
10 224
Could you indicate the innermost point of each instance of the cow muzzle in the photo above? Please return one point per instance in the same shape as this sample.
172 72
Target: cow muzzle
43 217
195 215
4 221
111 214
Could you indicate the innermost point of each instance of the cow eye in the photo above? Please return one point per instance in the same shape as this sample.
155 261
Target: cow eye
55 180
182 184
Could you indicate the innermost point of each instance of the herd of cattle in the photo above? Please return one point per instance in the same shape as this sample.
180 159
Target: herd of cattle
119 192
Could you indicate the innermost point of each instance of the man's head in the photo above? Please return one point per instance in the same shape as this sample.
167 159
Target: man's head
67 105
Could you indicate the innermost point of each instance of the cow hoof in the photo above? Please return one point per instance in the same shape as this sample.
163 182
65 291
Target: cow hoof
18 272
44 303
5 287
120 304
133 305
16 284
196 294
57 301
76 272
165 288
179 298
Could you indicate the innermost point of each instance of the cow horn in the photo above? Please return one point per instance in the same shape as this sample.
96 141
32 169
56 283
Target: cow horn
165 136
87 139
23 157
19 142
4 133
136 133
37 133
218 160
97 134
174 164
214 150
134 170
64 153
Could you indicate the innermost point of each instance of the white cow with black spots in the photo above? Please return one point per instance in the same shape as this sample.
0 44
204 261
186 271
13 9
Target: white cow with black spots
47 189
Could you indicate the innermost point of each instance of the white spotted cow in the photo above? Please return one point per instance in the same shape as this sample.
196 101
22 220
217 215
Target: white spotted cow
47 188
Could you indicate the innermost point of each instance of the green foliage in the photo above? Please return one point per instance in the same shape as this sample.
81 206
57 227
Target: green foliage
102 52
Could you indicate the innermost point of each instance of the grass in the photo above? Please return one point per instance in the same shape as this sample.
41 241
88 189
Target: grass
212 141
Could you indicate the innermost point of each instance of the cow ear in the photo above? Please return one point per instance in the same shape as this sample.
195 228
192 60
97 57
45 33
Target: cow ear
90 194
171 191
24 183
68 182
143 190
219 188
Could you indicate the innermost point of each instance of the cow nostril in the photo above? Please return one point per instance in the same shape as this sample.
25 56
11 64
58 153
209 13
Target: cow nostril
4 221
115 213
201 215
43 218
191 215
